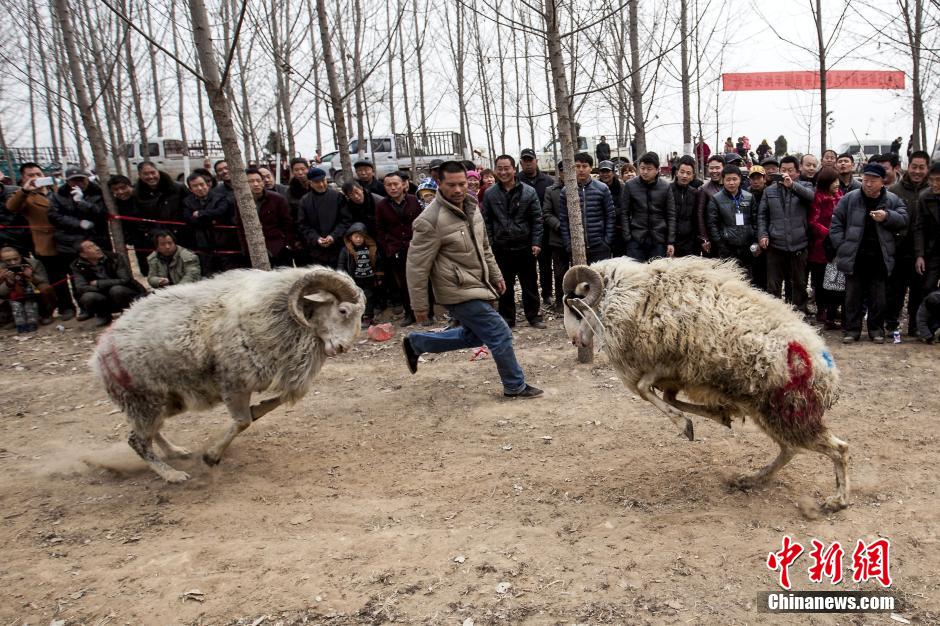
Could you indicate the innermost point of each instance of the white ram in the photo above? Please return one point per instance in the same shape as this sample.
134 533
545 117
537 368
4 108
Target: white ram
220 340
695 326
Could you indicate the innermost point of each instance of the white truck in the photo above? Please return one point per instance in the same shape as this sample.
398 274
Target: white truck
393 153
172 156
549 156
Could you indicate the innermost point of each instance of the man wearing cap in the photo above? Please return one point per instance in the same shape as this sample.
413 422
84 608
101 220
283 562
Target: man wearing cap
365 176
556 243
758 177
863 232
644 220
531 175
845 166
434 170
782 220
323 219
450 247
607 175
771 166
78 213
513 216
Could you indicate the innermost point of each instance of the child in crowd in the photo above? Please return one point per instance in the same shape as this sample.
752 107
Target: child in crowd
359 259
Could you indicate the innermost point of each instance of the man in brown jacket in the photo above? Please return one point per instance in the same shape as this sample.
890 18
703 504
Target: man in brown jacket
33 202
450 245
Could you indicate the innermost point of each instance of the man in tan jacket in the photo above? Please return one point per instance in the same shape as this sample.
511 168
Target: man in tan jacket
32 202
450 245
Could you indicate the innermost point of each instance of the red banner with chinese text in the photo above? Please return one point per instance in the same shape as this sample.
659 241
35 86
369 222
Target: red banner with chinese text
804 81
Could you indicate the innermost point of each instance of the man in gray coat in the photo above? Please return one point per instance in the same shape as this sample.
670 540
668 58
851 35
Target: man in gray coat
781 231
863 232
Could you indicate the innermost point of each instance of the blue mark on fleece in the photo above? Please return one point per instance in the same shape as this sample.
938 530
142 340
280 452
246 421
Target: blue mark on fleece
828 359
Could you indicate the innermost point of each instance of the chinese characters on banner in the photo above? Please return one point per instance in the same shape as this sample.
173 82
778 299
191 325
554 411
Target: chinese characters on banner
869 562
805 80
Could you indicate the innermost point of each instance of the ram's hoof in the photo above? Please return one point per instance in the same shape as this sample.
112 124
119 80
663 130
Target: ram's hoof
688 430
211 461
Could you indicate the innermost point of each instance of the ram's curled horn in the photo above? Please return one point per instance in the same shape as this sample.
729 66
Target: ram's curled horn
335 283
583 282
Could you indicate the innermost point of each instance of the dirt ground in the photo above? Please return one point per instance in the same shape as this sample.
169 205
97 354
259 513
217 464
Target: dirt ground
389 497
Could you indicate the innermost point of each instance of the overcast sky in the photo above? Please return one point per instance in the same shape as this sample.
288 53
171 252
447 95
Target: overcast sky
752 47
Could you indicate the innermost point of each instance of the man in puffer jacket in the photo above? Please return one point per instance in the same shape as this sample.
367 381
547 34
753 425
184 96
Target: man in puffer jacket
513 217
682 211
732 219
782 220
556 245
644 211
904 281
597 210
863 232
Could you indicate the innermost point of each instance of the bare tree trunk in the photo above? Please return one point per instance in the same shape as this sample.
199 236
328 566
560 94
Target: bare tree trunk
551 115
636 94
566 134
391 63
455 41
95 138
823 113
135 89
685 80
280 45
915 31
30 59
484 88
501 59
529 89
357 72
202 119
404 91
343 51
33 10
246 123
342 138
73 113
518 94
419 50
155 72
179 76
222 112
105 83
316 77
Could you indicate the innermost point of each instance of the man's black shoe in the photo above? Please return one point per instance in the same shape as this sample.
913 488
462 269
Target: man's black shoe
408 320
528 392
538 323
410 355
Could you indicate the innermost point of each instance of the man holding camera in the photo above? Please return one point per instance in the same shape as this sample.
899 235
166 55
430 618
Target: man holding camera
32 201
24 283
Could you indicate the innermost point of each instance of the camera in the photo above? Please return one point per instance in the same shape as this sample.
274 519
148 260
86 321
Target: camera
16 269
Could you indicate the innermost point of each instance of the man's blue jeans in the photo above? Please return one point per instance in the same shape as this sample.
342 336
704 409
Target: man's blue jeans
480 324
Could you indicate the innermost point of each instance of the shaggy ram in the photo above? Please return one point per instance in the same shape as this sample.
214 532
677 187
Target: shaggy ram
220 340
695 326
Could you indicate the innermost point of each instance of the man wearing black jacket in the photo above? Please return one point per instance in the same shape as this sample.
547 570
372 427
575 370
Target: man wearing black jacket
644 211
682 211
541 182
323 219
103 282
513 216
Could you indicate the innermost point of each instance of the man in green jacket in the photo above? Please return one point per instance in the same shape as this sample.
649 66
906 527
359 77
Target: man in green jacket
170 264
450 245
